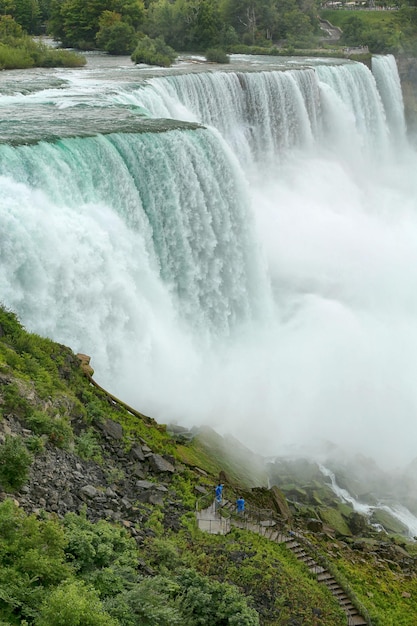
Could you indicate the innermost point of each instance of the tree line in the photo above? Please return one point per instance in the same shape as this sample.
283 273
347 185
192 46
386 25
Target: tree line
117 26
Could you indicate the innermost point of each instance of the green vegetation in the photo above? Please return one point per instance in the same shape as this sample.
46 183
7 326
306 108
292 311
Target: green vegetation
388 603
153 52
145 29
15 461
18 50
151 31
159 568
382 31
217 55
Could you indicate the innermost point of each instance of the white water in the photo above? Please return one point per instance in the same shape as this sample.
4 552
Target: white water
275 299
398 512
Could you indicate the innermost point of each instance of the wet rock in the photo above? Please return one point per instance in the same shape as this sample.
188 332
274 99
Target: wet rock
159 464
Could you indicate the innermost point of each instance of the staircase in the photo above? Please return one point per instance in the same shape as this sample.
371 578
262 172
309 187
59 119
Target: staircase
262 523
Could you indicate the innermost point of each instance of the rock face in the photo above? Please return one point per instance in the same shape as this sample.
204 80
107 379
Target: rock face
85 364
120 489
280 503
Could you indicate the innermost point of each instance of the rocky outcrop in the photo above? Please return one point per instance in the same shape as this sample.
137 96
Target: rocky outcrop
280 503
120 489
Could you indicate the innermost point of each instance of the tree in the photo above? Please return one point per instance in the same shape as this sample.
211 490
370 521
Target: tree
153 52
27 13
115 36
207 25
74 604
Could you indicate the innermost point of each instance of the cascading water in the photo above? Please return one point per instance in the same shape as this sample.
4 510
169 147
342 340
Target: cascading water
400 513
257 274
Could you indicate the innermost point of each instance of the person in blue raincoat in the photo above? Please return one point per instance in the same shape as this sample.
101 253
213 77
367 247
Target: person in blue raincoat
219 493
240 505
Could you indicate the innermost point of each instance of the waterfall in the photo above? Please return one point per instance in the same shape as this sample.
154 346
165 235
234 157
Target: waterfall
231 247
260 114
177 194
398 512
384 68
264 115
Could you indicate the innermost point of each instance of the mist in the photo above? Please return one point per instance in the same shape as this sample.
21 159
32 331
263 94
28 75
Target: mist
257 275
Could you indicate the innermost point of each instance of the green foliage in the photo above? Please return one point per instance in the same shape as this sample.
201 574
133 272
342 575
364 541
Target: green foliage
17 51
26 13
14 402
150 603
58 429
73 604
187 599
94 546
153 52
164 554
87 446
35 444
115 36
32 560
154 522
217 55
77 22
15 461
382 31
205 601
184 483
380 591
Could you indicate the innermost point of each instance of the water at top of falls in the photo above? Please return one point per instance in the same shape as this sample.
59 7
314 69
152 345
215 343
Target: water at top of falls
239 242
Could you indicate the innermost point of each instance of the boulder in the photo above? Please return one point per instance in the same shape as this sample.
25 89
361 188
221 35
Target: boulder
159 464
280 503
315 525
136 453
85 364
112 429
89 491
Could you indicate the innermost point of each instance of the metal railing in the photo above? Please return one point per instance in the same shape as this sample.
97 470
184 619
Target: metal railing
267 523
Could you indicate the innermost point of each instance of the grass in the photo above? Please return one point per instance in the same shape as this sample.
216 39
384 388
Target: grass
388 601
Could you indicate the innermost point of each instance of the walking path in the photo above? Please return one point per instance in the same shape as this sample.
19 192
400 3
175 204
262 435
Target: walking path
210 520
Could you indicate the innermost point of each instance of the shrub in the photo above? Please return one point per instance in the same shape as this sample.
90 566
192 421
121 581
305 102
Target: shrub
15 461
217 55
94 546
216 603
14 58
14 402
35 444
164 554
58 429
87 446
153 52
74 604
150 603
